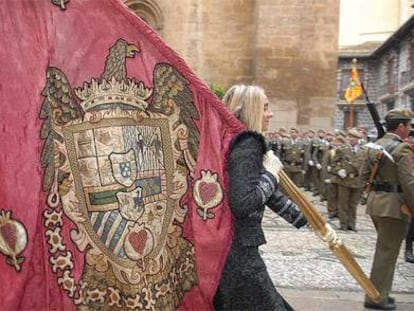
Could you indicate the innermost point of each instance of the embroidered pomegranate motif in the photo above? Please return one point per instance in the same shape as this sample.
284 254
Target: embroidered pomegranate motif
208 191
207 194
9 234
138 240
13 239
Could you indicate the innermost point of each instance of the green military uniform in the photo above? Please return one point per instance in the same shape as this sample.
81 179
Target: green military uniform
307 156
324 148
274 145
393 186
279 143
331 179
346 166
316 165
293 159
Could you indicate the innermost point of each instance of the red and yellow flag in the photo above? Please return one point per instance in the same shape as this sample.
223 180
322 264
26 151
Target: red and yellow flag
354 89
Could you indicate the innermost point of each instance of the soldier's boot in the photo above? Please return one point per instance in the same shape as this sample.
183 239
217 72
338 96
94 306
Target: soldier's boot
409 256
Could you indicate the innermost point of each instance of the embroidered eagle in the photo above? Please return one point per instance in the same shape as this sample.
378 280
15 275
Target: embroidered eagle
60 106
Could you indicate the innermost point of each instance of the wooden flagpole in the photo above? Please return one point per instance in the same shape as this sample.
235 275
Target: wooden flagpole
320 226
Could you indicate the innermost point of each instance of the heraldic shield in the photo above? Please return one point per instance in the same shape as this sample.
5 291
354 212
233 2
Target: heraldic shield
117 156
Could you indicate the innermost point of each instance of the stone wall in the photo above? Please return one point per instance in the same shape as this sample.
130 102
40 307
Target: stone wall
288 47
296 59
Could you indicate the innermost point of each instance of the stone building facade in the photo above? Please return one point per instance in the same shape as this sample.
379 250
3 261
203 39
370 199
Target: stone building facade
387 71
288 47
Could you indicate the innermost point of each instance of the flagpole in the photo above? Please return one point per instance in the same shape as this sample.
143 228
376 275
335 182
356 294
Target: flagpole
353 91
323 230
351 112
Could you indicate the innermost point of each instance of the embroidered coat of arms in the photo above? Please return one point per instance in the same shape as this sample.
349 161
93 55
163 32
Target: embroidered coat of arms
117 156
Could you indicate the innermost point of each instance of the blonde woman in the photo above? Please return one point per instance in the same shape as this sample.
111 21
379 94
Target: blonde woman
245 283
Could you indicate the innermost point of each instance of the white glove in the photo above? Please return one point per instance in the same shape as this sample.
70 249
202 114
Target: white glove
318 167
311 163
328 168
342 173
327 181
272 164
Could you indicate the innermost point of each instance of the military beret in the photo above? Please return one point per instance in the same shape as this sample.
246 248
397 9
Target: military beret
399 114
340 139
354 133
340 133
282 129
294 129
311 131
321 131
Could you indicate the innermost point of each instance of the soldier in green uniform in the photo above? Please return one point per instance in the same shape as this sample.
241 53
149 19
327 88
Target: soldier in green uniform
324 148
281 138
272 139
347 164
316 161
392 194
307 159
293 156
331 179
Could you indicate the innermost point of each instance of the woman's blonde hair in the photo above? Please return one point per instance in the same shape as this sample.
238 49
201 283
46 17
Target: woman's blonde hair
246 103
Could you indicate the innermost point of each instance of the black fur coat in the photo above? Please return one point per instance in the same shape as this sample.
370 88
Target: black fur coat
245 282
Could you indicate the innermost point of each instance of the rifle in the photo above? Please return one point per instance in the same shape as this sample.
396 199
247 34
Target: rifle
374 113
375 116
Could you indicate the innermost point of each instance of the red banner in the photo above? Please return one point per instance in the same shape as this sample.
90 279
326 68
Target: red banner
112 164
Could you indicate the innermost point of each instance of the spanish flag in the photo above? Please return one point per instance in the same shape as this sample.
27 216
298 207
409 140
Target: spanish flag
354 89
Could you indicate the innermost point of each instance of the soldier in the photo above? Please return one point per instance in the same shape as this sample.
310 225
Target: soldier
293 156
409 256
330 179
325 146
347 163
364 135
283 132
281 137
391 196
307 159
273 140
316 161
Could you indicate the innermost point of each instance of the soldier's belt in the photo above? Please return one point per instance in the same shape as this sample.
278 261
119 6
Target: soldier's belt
293 163
387 188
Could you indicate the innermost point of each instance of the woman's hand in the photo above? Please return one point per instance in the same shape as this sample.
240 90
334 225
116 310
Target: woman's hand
272 164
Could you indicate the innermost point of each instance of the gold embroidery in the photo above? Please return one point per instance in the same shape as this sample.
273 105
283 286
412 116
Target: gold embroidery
60 3
119 167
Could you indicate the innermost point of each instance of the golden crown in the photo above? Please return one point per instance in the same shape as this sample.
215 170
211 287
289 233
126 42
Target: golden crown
102 92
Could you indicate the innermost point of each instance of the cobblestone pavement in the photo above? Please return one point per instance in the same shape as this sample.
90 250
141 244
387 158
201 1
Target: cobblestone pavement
301 264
